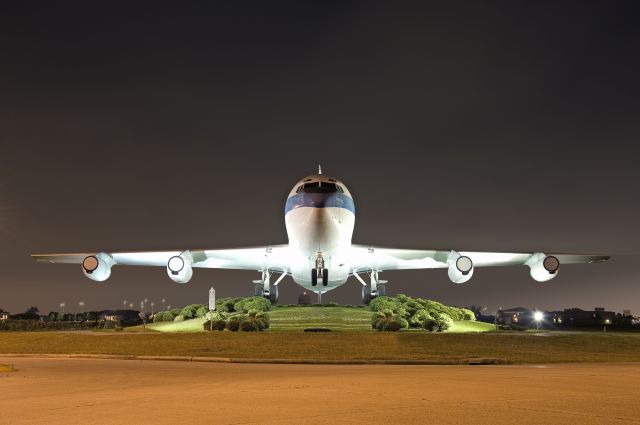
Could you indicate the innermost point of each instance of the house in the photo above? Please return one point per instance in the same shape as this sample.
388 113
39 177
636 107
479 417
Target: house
575 317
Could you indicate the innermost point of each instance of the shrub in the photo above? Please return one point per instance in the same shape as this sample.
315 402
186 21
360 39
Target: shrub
216 325
438 323
418 319
391 326
468 314
190 311
250 324
179 318
165 316
252 303
382 303
388 321
233 323
261 318
202 311
226 304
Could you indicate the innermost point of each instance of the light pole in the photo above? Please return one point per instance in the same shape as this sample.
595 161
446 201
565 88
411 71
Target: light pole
124 304
152 304
163 301
538 316
606 322
80 305
130 305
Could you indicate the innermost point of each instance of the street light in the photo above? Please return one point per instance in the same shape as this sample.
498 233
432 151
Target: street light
152 304
538 316
163 301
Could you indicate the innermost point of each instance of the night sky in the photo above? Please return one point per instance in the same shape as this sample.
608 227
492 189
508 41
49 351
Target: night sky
495 126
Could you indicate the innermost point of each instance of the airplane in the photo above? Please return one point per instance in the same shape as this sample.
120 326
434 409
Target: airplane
319 216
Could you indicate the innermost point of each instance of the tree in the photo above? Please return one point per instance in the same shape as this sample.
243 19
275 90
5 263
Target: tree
32 313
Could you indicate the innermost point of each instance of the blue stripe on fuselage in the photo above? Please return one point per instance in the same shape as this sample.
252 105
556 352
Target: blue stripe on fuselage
320 200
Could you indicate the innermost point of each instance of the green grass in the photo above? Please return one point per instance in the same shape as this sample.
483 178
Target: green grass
334 318
193 325
469 326
514 347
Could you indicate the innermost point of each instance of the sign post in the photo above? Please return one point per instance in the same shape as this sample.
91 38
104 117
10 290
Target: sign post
212 306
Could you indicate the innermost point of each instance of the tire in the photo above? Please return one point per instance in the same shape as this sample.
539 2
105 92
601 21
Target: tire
314 277
325 277
366 294
273 295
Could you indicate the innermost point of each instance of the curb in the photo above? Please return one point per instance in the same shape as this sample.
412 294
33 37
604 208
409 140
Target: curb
432 362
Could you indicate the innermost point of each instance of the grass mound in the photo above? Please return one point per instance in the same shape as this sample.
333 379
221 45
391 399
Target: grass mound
335 318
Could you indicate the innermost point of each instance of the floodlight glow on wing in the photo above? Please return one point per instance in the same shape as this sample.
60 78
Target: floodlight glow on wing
319 256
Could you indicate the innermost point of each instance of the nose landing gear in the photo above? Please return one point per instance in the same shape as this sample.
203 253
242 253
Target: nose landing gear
319 272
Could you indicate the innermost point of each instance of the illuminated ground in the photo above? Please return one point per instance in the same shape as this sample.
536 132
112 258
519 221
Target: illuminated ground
298 318
44 391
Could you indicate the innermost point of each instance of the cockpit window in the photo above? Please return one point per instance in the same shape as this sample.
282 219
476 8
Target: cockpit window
320 187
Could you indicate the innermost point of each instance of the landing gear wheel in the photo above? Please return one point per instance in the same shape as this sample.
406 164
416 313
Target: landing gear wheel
325 277
273 294
366 294
314 277
382 290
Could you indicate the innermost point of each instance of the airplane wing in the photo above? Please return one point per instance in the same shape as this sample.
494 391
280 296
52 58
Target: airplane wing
373 258
256 258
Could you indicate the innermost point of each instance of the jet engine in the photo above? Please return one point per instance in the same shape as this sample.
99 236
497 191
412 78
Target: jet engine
179 267
460 267
543 267
97 267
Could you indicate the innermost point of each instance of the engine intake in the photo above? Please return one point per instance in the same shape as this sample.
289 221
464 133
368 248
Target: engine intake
179 267
460 267
98 267
543 267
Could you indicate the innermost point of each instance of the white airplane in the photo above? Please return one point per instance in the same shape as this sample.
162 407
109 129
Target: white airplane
319 217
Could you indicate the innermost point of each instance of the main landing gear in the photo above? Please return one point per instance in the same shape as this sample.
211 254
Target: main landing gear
376 287
320 272
264 288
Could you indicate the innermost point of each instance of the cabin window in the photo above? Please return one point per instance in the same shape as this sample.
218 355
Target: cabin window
320 187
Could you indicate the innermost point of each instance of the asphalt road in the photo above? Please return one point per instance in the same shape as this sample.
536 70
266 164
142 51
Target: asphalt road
90 391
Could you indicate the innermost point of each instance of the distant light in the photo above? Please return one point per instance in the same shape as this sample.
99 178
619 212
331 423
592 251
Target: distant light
607 321
537 316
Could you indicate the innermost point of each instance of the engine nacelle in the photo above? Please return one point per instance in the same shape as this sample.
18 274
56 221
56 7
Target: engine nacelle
543 267
460 267
179 267
97 267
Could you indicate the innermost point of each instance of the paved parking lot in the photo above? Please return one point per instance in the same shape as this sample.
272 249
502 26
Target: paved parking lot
93 391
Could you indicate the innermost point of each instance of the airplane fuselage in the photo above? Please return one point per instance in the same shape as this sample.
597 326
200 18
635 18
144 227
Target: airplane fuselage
319 217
